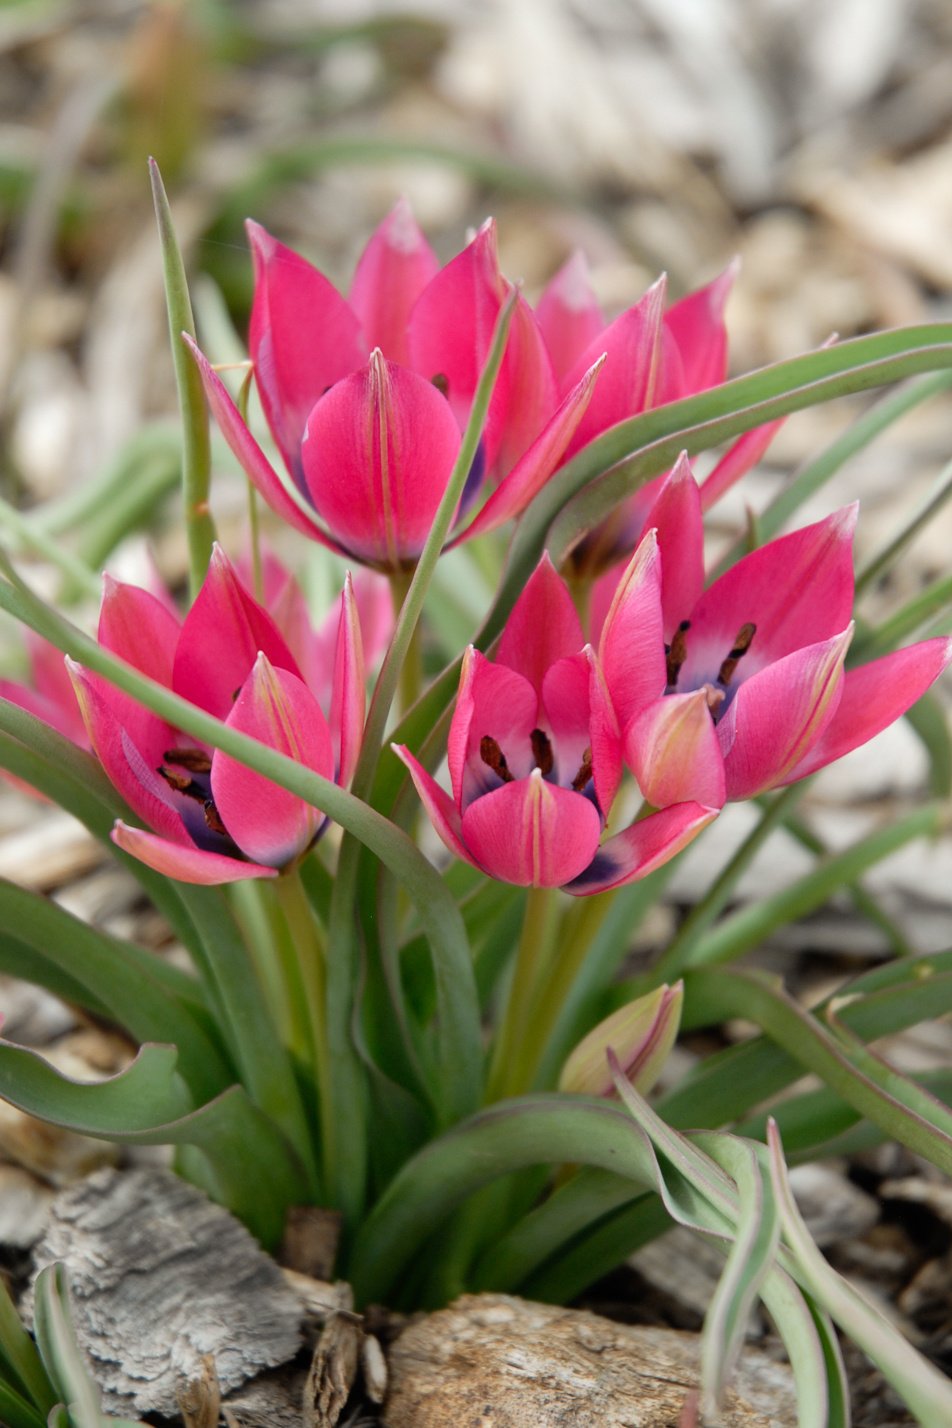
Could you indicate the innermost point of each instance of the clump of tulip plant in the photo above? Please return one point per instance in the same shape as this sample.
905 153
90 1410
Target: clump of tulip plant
385 1022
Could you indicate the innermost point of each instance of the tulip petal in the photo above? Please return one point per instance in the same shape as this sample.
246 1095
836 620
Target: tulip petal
697 325
52 682
534 468
130 758
567 715
249 455
778 714
349 698
873 697
139 629
568 315
543 626
646 845
628 384
57 714
532 833
796 591
269 824
303 338
676 516
184 862
394 268
631 649
442 811
497 703
673 750
606 742
220 640
525 397
378 454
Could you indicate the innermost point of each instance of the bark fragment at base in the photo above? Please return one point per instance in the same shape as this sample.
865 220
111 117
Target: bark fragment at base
160 1277
499 1362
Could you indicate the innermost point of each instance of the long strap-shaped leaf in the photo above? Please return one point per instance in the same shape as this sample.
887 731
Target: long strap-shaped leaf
149 1104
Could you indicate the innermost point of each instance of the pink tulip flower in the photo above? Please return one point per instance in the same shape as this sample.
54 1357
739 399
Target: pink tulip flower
212 819
49 694
535 760
746 683
366 397
654 355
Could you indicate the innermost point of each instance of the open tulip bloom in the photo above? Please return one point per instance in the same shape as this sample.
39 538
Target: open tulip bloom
384 1030
212 819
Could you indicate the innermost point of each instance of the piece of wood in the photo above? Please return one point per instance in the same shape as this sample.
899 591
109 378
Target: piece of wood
494 1361
160 1278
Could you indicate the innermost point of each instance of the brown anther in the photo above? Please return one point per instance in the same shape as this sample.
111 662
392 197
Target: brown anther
441 382
493 756
677 652
541 751
195 760
213 817
584 773
181 782
741 645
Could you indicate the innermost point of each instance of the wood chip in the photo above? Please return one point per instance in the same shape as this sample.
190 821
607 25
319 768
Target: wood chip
498 1362
333 1369
160 1277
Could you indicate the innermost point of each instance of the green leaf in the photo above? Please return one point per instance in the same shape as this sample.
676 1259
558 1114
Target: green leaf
62 1357
196 455
16 1411
926 1392
148 1104
126 982
22 1375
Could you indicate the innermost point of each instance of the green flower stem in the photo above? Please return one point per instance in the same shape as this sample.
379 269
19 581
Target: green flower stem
310 953
410 681
266 936
196 453
885 558
515 1052
933 601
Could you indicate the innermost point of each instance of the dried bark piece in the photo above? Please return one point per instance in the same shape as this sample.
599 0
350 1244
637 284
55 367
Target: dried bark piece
333 1369
311 1237
500 1362
161 1277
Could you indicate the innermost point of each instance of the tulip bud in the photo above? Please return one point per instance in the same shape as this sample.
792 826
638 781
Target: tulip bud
641 1036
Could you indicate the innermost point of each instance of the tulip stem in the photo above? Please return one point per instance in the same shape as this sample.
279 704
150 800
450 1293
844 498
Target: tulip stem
515 1053
410 681
309 953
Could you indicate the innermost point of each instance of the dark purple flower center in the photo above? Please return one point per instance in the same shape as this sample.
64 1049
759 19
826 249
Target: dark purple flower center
720 690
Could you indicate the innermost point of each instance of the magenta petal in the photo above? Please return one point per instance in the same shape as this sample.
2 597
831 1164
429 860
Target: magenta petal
220 640
697 325
524 398
778 714
543 626
646 845
568 315
303 338
737 460
375 607
52 682
442 811
139 629
130 757
252 459
534 468
184 862
378 454
606 742
628 383
452 322
269 824
631 649
348 702
676 516
532 833
797 590
672 749
873 697
497 703
394 268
